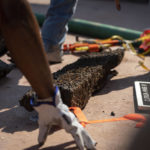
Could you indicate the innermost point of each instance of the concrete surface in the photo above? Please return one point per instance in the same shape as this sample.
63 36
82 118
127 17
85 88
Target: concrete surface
132 15
17 132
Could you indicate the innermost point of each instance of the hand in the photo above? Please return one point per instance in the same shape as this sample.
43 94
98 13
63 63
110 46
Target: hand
54 112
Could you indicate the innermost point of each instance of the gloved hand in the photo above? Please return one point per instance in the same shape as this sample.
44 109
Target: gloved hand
51 112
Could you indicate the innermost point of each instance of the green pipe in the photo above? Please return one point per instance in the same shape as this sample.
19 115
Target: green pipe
40 18
96 30
99 30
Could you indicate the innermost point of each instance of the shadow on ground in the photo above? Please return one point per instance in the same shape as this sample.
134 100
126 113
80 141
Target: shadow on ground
123 83
10 91
57 147
13 117
16 120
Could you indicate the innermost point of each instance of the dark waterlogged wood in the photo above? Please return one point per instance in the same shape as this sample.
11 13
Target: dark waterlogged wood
79 80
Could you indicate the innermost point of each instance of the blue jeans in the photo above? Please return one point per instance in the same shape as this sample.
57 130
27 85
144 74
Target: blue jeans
55 26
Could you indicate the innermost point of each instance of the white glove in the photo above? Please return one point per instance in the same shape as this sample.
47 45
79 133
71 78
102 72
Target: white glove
54 112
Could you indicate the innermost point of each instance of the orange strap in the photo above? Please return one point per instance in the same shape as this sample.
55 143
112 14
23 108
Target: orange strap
83 120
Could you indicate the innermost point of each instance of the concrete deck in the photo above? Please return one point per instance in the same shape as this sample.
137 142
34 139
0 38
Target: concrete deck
17 132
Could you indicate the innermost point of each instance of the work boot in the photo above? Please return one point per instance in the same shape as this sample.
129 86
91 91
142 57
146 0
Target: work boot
54 54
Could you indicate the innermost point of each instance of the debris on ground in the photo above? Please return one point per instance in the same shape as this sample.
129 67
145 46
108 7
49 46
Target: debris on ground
112 113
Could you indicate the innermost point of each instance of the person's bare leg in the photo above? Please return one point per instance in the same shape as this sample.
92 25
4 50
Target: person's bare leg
21 32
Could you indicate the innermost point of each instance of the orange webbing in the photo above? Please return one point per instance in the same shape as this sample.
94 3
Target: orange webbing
83 120
80 115
107 120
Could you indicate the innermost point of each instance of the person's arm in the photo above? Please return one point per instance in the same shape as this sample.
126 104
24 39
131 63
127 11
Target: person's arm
21 32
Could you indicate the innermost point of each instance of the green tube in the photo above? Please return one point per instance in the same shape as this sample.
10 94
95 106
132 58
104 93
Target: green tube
99 30
96 30
40 18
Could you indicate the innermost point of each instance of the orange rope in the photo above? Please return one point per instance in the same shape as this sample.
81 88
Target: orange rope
83 120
